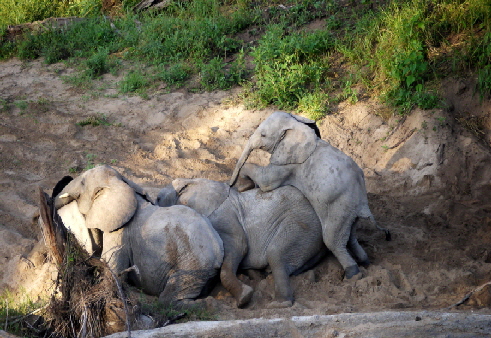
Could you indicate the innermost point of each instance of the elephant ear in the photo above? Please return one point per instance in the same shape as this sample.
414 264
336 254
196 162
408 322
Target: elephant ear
136 188
202 195
297 142
308 122
113 204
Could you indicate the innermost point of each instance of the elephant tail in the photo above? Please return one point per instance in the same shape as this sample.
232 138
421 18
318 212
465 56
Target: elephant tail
368 214
388 235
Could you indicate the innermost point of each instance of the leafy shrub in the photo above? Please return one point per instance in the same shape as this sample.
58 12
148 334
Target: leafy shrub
176 74
484 67
14 12
81 39
195 39
394 44
314 105
288 66
213 75
97 64
134 81
405 100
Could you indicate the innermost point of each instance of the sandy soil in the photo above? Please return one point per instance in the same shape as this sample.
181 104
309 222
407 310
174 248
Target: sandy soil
427 177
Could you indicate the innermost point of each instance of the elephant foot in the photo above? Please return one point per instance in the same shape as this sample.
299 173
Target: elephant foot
245 296
351 271
279 305
365 263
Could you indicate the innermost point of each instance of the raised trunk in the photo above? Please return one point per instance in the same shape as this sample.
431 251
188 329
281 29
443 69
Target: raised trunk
240 163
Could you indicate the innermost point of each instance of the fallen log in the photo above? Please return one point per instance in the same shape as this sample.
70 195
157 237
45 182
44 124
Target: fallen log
14 32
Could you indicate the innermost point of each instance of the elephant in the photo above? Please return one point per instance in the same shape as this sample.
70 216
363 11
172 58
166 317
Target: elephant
175 250
278 229
332 182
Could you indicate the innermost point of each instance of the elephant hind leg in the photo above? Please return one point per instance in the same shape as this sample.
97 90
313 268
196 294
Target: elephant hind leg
355 247
336 230
228 276
283 289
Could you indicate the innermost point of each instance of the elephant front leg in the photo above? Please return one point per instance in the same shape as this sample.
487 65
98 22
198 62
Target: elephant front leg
267 178
183 287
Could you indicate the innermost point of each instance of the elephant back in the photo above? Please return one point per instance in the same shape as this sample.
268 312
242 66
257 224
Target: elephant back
281 220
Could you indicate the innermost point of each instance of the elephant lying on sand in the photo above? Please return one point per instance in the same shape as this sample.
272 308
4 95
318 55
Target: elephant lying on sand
277 229
329 179
175 249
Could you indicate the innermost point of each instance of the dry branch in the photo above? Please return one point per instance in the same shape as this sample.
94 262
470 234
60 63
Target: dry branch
469 295
54 235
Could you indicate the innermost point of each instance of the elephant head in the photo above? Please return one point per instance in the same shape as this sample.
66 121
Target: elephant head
105 198
203 195
290 139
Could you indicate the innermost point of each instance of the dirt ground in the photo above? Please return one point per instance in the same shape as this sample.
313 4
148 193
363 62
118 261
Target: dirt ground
428 178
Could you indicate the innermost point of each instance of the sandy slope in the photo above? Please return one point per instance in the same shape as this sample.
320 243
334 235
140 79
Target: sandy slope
428 181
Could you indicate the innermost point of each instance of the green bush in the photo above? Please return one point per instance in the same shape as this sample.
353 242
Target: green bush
289 65
14 12
176 74
213 75
218 75
134 81
314 105
168 39
97 64
483 52
394 44
82 39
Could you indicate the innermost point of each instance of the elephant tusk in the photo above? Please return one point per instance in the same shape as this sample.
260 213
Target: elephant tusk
65 195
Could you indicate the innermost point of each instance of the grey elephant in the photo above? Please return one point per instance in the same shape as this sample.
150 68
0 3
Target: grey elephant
175 249
332 182
278 229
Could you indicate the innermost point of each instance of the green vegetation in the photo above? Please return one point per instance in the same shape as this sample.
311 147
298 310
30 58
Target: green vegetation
95 120
300 55
14 12
134 81
13 308
90 161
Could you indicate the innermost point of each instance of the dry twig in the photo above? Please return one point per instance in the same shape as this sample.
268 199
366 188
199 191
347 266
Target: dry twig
469 295
123 299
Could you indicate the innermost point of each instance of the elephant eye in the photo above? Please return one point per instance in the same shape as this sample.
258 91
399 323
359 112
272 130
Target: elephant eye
263 135
182 189
283 134
98 193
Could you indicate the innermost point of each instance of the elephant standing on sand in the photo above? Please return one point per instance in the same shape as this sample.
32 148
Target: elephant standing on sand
176 250
329 179
278 229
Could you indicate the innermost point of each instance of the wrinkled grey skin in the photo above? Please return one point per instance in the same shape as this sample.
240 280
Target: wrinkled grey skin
331 180
278 229
175 249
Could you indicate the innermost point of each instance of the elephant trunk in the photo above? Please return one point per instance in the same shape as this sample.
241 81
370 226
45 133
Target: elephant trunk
63 199
240 163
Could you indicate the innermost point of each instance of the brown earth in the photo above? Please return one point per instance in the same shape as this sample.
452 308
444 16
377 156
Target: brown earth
428 178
